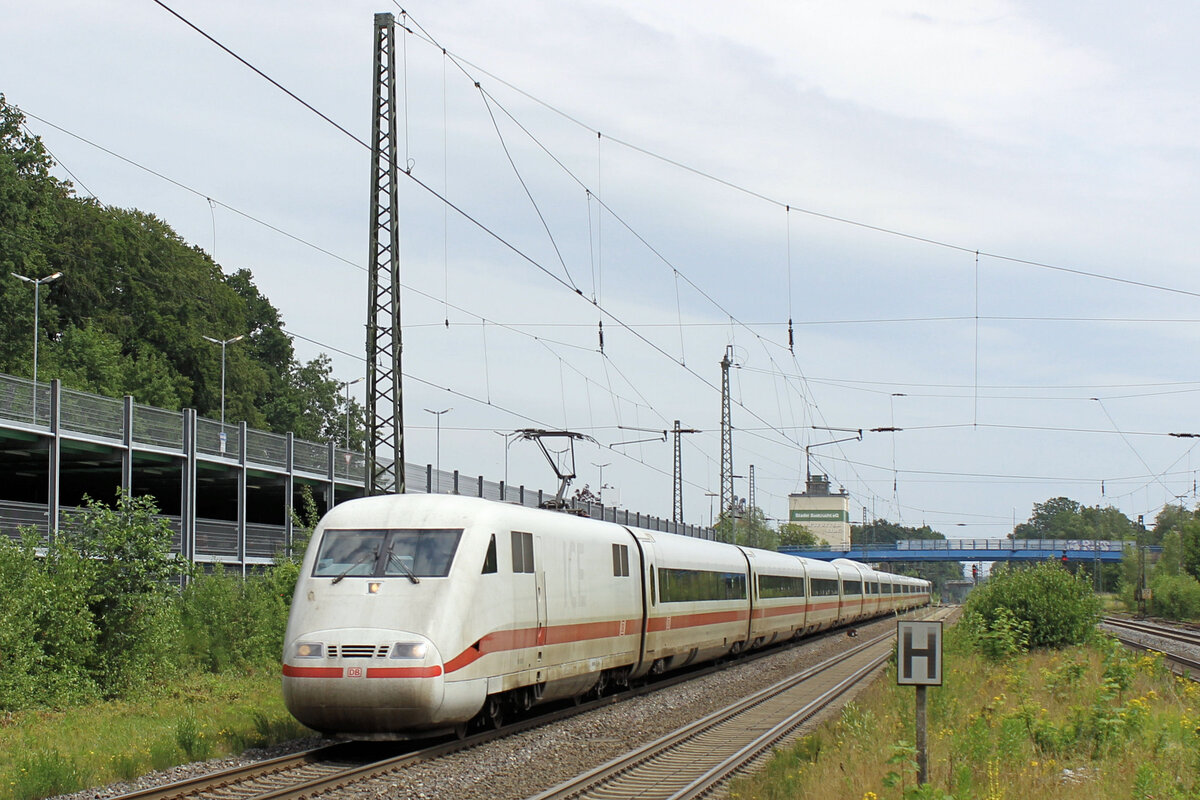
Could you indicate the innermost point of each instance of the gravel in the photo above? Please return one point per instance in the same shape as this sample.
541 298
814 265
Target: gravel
1154 642
524 764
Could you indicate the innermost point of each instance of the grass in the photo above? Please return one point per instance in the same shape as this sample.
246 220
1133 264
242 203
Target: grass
1094 721
44 753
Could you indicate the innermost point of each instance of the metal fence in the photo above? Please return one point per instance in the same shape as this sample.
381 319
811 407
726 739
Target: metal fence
81 414
103 418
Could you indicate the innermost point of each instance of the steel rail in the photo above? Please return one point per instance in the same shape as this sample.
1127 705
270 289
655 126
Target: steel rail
1182 665
331 759
1154 629
600 782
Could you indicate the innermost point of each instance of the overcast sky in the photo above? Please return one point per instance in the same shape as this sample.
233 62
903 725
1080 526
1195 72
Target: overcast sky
980 217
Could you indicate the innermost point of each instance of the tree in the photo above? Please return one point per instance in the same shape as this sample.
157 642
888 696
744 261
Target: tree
793 534
1057 518
746 526
134 303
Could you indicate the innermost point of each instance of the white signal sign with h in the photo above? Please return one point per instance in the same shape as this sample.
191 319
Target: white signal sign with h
919 653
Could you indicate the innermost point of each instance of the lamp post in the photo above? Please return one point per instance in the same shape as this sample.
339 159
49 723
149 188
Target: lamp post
438 457
505 434
710 496
223 343
600 487
346 385
37 285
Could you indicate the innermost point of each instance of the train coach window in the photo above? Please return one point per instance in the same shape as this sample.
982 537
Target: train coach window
684 585
780 586
349 553
522 551
420 552
489 560
387 552
886 588
620 560
824 587
851 587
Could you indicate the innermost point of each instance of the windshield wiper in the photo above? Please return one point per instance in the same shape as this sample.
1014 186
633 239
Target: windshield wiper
392 557
361 560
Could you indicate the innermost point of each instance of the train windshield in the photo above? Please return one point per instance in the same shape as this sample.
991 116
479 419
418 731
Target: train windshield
391 552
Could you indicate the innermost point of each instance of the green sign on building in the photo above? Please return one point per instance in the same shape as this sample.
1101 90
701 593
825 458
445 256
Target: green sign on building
819 515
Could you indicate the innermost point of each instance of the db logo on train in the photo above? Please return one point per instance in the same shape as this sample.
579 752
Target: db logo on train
354 672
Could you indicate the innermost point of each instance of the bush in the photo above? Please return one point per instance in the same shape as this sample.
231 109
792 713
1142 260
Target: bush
1043 603
130 579
1175 597
47 636
230 622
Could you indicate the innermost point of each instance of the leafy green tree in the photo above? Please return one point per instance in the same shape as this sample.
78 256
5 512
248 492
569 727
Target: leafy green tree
748 527
793 534
1057 518
134 303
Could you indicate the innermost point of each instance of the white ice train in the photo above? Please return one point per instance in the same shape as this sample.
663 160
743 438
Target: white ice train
416 614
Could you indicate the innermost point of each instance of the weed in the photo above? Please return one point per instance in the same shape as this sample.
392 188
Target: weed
45 774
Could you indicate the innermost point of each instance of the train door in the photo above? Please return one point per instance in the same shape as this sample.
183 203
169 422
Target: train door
539 577
528 587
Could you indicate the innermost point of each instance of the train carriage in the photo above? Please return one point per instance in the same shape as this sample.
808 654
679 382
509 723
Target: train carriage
699 606
778 596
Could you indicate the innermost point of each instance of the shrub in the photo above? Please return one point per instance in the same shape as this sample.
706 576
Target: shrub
1175 597
47 636
130 578
1054 608
230 622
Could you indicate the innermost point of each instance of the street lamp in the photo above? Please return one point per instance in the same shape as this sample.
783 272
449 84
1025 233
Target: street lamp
438 461
37 285
347 385
223 343
600 488
506 434
710 496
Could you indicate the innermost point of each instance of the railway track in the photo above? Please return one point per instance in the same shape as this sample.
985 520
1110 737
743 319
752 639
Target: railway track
1174 640
307 773
693 760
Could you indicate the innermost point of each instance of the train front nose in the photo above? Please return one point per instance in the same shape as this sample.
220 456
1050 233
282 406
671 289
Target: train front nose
364 682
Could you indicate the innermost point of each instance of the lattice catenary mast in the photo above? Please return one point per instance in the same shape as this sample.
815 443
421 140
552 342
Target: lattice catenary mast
385 406
726 434
677 505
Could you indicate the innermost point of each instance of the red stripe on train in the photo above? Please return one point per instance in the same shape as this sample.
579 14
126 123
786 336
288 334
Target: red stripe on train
311 672
404 672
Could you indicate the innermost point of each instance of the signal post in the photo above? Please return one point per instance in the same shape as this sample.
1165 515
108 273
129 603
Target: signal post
919 663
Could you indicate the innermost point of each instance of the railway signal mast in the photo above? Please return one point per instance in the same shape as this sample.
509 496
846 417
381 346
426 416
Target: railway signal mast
385 395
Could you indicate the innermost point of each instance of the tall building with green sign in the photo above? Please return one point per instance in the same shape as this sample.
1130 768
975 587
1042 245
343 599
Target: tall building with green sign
825 514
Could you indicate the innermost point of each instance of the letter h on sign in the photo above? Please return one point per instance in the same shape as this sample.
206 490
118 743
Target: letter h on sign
919 653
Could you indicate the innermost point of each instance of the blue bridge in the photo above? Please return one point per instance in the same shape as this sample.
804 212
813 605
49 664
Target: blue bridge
976 550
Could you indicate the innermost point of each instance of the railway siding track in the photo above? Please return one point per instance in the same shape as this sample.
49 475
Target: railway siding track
691 761
1180 646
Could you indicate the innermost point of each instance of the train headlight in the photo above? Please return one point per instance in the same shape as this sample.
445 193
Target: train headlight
310 650
407 650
